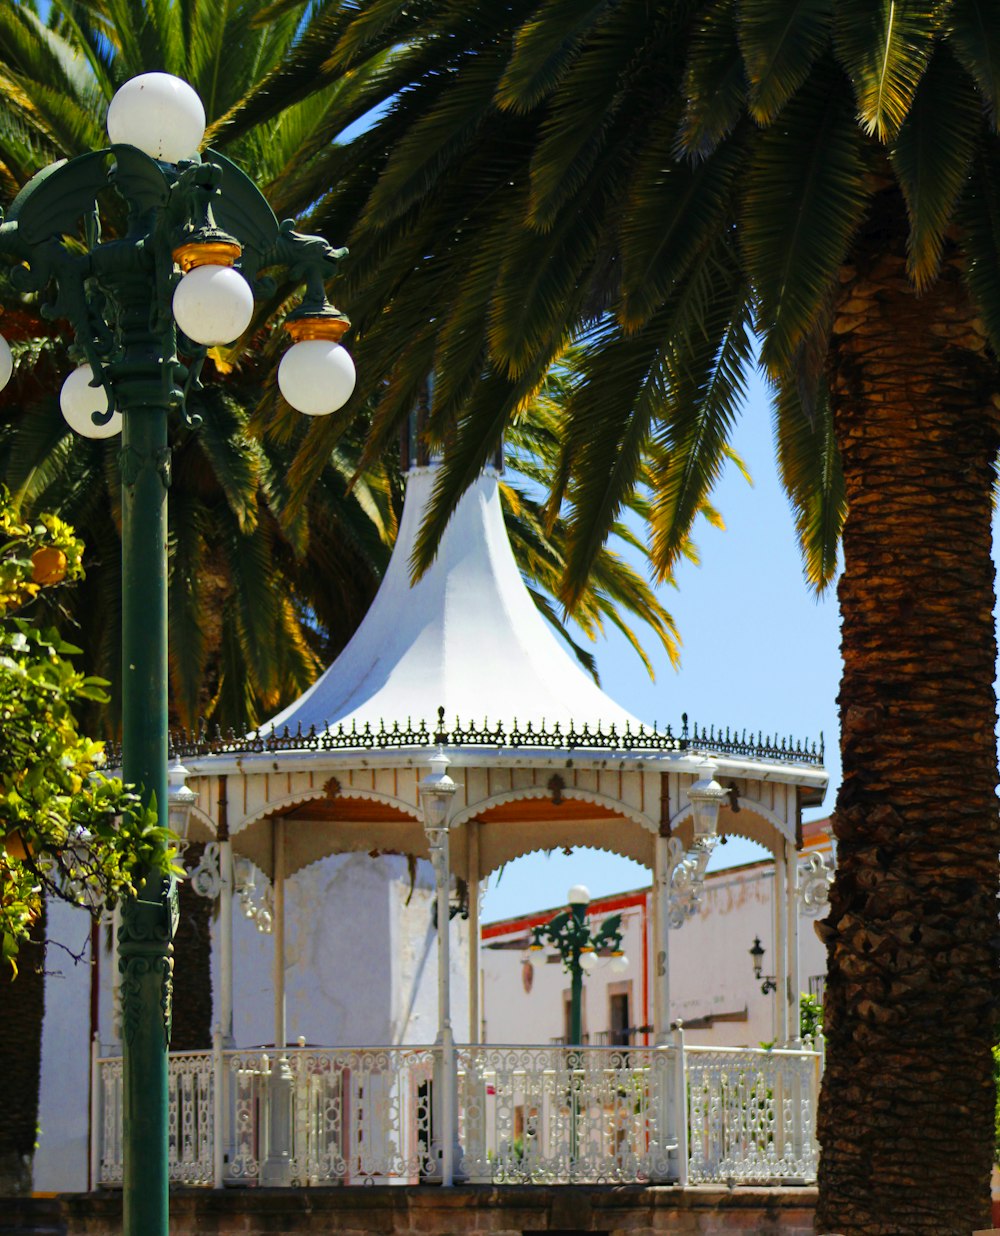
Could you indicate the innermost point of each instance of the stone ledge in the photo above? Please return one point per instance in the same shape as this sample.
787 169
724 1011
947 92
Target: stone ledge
468 1210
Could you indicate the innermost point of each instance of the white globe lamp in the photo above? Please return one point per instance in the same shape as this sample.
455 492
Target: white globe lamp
79 401
158 114
213 304
588 960
6 362
316 376
578 895
619 963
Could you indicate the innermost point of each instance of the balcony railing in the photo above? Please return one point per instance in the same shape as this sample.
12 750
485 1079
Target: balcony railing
526 1115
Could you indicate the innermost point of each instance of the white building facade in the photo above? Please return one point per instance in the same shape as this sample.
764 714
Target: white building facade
714 992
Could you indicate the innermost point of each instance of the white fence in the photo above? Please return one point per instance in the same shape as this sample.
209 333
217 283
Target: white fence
526 1115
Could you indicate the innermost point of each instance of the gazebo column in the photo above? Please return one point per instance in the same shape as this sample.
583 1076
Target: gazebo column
472 881
276 1169
661 940
227 891
780 948
436 792
792 942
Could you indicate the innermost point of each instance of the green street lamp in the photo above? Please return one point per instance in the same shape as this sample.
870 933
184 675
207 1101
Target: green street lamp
144 306
569 933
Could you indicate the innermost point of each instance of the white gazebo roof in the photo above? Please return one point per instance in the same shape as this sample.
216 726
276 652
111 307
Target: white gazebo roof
466 637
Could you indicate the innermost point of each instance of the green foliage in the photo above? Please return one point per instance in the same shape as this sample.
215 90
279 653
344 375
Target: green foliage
68 830
996 1086
646 179
810 1019
810 1016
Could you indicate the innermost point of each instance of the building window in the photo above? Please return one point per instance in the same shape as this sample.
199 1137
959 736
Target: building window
618 1019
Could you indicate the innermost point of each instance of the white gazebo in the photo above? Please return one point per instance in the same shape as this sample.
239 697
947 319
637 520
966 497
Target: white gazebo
456 726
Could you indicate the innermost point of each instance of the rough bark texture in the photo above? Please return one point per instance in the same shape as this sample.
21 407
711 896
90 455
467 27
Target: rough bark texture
22 1005
906 1117
192 967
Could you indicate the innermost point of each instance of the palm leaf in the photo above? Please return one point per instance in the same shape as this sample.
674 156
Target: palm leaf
931 158
810 468
978 213
544 47
780 45
715 84
806 193
884 46
973 34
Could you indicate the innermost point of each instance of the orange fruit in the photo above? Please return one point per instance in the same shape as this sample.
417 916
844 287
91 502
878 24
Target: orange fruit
48 566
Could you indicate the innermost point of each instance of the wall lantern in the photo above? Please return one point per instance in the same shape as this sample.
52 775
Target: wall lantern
757 957
706 798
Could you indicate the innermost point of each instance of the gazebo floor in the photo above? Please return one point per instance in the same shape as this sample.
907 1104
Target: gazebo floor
468 1210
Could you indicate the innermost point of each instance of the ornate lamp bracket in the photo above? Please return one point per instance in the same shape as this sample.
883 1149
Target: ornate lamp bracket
815 881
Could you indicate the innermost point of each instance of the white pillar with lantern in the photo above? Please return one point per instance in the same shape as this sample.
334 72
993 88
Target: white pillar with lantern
679 878
437 791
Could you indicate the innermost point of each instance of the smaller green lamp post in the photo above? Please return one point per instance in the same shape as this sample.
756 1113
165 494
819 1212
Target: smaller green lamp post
570 935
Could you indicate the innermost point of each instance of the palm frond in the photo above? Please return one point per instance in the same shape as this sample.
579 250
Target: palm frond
931 157
978 214
781 44
811 473
973 34
805 195
884 47
715 84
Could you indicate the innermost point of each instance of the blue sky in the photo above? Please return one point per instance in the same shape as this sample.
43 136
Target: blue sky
760 652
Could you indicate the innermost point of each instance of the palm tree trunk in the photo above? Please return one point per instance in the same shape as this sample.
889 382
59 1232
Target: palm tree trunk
906 1118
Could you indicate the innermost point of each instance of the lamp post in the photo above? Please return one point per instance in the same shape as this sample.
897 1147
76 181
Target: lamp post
437 791
569 933
144 306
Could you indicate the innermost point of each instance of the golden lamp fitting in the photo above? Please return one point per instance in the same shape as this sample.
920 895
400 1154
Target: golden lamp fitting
194 253
328 327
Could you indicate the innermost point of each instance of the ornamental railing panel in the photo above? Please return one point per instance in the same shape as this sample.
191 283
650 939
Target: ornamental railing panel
525 1115
359 1115
190 1122
556 1115
751 1115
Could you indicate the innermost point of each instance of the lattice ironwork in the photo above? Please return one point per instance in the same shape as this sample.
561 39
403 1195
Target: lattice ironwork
547 1115
499 736
359 1115
190 1122
751 1115
527 1115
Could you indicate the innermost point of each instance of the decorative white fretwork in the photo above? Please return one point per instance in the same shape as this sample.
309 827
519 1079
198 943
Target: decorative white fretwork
527 1115
687 878
752 1115
206 877
557 1115
815 879
261 914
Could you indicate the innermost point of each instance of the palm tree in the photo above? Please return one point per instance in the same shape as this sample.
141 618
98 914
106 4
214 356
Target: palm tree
242 645
658 182
269 577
